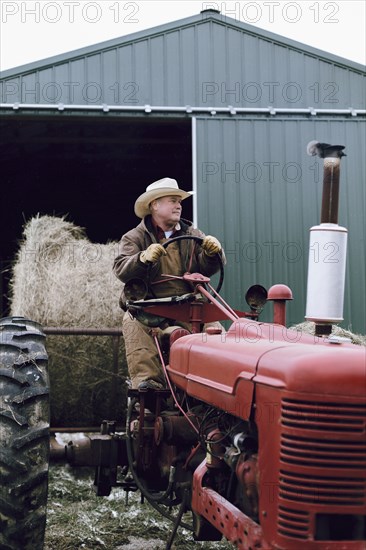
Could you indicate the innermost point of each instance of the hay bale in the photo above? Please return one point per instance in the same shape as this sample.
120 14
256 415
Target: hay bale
61 279
309 328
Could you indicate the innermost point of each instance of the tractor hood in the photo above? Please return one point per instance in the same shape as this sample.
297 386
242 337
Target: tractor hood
222 369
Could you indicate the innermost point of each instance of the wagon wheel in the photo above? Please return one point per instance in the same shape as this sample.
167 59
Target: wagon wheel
24 434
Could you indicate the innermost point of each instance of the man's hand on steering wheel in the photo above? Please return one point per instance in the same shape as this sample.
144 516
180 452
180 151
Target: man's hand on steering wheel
152 254
211 245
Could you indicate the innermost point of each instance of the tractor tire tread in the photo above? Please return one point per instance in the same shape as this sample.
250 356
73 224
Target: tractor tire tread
24 434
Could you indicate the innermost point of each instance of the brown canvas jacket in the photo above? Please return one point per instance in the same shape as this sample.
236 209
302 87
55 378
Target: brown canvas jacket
127 264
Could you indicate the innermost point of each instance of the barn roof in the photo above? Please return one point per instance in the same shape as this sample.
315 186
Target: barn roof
201 18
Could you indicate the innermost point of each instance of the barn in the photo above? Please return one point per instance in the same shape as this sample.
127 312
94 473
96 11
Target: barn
225 108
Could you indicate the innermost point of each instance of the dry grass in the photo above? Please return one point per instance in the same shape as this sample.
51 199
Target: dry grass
61 279
309 328
77 518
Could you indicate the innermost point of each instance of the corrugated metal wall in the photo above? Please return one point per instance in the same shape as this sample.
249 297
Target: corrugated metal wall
203 62
260 193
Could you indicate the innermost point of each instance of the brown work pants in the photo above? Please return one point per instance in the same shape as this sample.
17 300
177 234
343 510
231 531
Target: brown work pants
141 352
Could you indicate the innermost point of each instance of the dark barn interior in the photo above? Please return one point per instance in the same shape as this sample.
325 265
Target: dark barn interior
90 168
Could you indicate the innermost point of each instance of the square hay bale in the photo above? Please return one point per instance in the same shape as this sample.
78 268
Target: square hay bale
61 279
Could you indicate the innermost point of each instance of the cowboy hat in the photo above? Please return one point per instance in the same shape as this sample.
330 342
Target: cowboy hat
161 188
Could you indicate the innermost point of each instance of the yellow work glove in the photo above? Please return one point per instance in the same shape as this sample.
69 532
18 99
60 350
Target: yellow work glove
153 253
211 245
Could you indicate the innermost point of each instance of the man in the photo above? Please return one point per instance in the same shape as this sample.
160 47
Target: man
143 257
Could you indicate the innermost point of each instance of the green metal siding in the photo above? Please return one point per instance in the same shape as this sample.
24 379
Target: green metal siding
260 193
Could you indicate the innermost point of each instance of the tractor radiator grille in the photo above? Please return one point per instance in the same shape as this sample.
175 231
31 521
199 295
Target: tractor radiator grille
293 523
325 417
307 451
323 461
322 490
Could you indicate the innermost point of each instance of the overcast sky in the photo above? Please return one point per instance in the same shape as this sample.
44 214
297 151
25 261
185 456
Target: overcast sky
33 30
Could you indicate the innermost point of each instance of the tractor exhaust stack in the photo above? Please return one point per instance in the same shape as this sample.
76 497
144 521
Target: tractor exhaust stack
328 247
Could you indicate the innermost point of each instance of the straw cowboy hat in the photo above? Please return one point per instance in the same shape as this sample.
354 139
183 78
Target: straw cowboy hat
161 188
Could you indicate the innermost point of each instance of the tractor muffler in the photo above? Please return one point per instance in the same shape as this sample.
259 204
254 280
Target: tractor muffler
328 247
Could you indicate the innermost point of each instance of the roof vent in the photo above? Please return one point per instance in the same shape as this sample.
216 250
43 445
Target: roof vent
210 10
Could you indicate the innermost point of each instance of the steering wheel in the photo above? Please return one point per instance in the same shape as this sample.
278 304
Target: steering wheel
152 320
199 240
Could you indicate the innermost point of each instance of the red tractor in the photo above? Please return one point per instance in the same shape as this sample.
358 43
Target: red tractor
260 434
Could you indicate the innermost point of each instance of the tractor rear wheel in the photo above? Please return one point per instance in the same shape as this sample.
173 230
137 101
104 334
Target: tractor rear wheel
24 434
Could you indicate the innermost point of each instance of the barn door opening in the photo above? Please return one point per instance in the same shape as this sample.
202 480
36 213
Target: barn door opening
89 167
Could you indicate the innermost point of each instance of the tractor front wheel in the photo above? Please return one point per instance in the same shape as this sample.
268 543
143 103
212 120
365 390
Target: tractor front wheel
24 434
